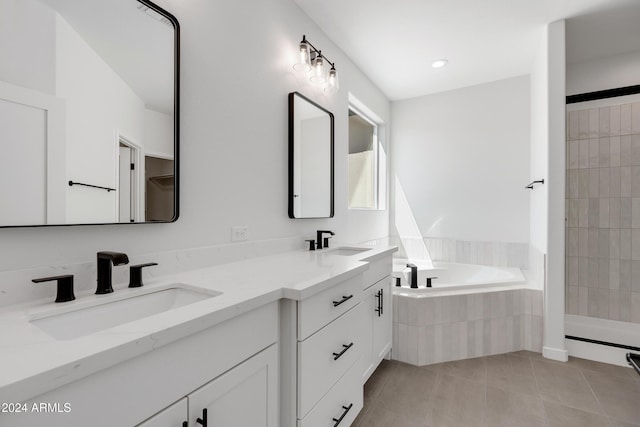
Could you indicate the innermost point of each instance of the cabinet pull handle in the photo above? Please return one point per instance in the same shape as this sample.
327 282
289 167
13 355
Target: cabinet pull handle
344 299
381 302
345 347
344 414
378 309
203 420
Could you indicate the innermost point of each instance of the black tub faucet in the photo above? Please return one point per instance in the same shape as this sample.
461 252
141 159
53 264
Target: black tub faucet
414 275
326 239
105 259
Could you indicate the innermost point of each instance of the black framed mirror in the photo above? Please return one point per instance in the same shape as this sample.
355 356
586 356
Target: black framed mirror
311 163
89 117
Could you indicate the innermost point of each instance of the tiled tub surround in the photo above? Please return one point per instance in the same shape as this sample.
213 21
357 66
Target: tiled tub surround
603 212
445 326
499 254
449 276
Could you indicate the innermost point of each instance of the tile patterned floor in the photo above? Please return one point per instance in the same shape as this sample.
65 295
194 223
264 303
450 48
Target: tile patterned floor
518 389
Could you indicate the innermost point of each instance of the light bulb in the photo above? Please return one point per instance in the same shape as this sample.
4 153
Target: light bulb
304 61
318 75
439 63
332 82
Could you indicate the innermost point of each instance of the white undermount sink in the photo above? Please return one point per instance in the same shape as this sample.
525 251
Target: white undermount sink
106 312
347 251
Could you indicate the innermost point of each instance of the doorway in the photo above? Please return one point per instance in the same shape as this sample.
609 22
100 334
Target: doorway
127 181
159 189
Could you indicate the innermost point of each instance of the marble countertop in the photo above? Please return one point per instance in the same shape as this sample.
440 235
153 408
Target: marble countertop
33 362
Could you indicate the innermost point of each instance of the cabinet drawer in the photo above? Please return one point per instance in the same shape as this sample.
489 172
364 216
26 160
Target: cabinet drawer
326 355
322 308
377 271
346 394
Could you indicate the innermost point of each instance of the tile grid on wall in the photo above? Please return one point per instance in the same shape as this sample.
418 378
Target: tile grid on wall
501 254
445 328
603 212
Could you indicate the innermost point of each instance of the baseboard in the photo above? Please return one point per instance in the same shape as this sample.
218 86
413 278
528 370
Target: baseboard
601 340
559 354
598 353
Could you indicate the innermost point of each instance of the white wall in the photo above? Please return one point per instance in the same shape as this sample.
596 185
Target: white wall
158 134
539 153
603 73
97 103
462 158
554 295
233 140
36 50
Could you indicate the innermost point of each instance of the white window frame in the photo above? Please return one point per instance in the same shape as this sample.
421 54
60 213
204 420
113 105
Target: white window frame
380 182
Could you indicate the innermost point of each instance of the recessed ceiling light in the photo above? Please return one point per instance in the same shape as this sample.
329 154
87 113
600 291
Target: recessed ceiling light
439 63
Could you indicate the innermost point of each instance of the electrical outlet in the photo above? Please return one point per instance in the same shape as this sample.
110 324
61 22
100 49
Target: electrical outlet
239 233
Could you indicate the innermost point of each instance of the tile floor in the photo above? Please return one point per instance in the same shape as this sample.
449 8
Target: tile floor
518 389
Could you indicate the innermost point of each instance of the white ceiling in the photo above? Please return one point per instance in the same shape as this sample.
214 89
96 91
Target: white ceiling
138 47
395 42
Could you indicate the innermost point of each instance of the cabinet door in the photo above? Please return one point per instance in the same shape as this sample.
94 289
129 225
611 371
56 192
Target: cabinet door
382 321
173 416
247 395
371 303
378 298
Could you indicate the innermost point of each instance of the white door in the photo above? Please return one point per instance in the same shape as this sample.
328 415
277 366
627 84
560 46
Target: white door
247 395
371 302
172 416
124 187
23 168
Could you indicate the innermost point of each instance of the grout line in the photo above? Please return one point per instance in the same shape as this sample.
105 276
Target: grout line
366 409
535 378
603 412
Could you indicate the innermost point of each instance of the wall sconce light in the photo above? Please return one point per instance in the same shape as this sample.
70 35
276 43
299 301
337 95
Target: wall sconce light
312 60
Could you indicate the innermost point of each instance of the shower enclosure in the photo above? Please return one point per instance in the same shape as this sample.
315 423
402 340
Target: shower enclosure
603 223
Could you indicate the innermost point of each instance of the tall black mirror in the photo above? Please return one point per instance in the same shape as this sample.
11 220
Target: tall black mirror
311 166
88 112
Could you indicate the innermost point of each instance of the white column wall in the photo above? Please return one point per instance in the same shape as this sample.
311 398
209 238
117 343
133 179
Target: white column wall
554 296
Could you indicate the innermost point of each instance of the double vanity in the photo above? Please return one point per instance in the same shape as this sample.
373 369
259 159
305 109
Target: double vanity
278 341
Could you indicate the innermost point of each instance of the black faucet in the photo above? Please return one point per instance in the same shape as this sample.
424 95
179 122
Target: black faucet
104 269
326 239
414 275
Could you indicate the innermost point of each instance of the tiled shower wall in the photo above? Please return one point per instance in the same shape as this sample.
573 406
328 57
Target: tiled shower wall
603 212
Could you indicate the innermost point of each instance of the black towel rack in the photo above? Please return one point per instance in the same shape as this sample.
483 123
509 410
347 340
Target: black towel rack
71 184
532 183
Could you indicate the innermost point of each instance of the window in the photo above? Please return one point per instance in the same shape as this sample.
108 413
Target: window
367 163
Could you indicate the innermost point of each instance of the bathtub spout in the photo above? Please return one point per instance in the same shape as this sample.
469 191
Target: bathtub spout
414 275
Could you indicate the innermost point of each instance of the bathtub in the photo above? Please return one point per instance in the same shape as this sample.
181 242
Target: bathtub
454 276
470 311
